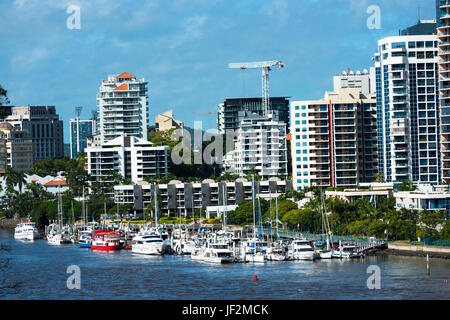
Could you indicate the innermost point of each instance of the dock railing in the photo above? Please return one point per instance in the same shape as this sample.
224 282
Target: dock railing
361 242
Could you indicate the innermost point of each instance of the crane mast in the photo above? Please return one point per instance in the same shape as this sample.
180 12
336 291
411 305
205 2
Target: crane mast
265 66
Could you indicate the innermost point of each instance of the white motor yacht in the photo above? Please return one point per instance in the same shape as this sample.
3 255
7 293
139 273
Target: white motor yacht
151 244
214 253
302 250
275 254
26 231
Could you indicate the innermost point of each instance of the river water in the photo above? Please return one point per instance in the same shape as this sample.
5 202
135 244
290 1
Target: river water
39 271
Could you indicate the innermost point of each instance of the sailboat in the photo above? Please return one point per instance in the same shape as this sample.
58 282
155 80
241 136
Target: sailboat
56 233
253 250
150 241
326 253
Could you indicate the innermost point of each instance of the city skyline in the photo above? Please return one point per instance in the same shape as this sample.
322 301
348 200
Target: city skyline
182 49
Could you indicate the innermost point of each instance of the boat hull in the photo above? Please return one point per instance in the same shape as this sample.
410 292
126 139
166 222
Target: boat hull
148 250
106 248
27 236
254 258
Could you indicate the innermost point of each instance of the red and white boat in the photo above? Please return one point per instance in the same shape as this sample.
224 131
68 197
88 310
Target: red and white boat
105 240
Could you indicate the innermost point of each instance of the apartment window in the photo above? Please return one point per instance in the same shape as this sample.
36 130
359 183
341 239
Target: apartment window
303 107
297 115
411 44
398 45
303 114
297 108
420 44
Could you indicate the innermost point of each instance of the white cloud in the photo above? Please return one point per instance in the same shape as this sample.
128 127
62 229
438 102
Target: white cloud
192 30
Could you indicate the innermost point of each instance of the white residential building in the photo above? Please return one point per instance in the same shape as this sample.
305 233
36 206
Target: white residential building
426 197
131 157
408 108
122 107
260 145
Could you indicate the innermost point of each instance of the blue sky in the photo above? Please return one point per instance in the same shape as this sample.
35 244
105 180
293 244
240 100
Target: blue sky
182 48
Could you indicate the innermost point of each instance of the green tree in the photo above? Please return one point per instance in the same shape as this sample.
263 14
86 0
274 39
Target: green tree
428 223
445 232
407 186
3 96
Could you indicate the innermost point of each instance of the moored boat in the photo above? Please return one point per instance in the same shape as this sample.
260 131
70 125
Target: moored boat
151 244
26 231
85 239
302 250
105 240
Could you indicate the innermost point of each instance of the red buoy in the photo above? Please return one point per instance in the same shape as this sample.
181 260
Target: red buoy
255 278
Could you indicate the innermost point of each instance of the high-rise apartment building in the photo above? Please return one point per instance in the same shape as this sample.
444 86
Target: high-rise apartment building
333 140
44 128
131 157
443 23
80 130
122 107
408 108
260 145
229 116
18 147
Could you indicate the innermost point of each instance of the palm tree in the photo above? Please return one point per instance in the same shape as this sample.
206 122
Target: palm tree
14 177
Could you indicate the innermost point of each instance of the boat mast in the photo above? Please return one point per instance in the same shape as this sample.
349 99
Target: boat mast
83 214
224 208
276 215
270 218
253 203
156 209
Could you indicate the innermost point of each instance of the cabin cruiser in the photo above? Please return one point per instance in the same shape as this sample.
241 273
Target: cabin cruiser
275 253
214 253
302 250
26 231
105 240
254 250
85 238
151 244
347 252
183 247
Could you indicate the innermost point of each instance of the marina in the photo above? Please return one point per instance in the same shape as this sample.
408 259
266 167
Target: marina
41 271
